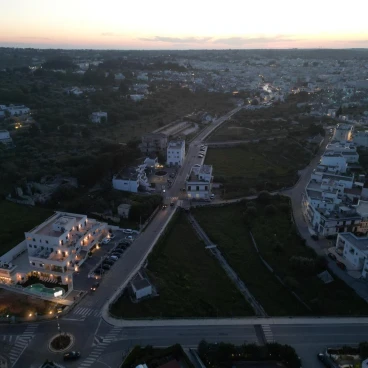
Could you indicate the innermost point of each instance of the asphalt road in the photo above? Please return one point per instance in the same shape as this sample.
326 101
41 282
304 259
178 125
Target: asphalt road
307 339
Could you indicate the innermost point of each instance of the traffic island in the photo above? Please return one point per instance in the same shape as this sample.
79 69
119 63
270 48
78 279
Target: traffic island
61 343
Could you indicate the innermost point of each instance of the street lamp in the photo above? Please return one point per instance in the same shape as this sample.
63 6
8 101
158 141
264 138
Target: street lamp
58 325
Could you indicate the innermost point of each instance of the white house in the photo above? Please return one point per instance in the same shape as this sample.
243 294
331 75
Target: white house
129 179
355 250
5 137
335 161
343 132
16 110
58 246
141 288
199 182
175 153
98 117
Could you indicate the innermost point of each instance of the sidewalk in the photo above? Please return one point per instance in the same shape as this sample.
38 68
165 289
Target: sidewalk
235 321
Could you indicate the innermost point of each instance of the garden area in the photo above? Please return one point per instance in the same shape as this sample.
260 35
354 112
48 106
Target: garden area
269 220
15 220
190 283
249 168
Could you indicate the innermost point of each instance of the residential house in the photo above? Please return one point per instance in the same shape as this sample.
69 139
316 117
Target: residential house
153 143
361 138
131 179
354 250
98 117
199 182
343 133
175 153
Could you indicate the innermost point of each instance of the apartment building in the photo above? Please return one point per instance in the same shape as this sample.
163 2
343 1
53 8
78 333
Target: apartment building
361 138
153 143
57 247
175 153
199 182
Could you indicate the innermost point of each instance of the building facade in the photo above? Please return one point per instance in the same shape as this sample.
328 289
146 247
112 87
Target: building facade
199 183
130 179
153 143
175 153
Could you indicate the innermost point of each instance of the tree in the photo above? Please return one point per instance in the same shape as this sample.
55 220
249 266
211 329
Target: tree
270 210
123 88
264 197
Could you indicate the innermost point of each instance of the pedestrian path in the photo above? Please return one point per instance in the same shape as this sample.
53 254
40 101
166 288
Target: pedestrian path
268 333
21 343
99 345
86 312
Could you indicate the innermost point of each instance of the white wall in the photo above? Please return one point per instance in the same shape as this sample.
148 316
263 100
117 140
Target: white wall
125 185
143 292
9 256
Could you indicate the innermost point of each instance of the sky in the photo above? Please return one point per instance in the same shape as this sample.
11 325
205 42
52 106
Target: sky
189 24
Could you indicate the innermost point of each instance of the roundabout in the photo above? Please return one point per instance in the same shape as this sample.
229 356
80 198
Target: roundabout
61 343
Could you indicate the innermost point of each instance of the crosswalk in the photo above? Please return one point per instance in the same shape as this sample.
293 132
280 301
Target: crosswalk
268 333
8 339
21 343
100 344
86 312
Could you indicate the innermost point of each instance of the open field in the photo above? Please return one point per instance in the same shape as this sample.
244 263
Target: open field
267 165
190 282
278 242
15 220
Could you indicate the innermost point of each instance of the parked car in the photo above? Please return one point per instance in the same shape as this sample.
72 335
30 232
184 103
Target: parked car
332 256
99 271
127 231
106 267
172 204
212 196
106 241
197 165
116 254
115 258
95 286
111 236
200 156
72 355
109 262
129 237
341 265
172 175
119 250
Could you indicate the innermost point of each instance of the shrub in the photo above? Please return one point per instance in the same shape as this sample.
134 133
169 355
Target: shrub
270 209
264 197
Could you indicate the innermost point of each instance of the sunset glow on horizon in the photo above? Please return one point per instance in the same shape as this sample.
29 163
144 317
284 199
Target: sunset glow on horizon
200 24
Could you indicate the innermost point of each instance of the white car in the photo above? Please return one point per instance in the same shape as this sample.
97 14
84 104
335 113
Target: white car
197 165
106 241
127 231
212 196
200 156
129 237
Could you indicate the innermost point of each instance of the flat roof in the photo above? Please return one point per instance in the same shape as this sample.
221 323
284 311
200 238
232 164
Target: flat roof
360 243
362 207
129 173
46 227
140 284
176 144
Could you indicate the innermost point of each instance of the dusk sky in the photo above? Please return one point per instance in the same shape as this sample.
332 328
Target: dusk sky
168 24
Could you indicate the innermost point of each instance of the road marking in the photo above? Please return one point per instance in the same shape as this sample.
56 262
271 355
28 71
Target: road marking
21 343
268 333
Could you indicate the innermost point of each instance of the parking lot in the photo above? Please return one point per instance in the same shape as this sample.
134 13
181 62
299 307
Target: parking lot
95 267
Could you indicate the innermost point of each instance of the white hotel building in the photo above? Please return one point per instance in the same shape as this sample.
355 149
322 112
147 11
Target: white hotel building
58 246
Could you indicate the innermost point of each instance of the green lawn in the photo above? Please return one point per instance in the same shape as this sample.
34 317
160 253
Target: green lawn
189 281
240 161
277 241
15 220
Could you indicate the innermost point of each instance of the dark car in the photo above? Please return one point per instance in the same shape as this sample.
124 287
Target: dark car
121 248
332 256
95 286
172 204
106 267
109 262
118 250
116 254
72 355
341 265
99 271
321 357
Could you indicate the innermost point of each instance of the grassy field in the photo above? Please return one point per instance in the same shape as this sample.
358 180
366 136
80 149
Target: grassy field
190 282
15 220
277 241
267 165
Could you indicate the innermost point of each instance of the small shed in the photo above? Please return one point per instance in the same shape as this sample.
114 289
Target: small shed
141 288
